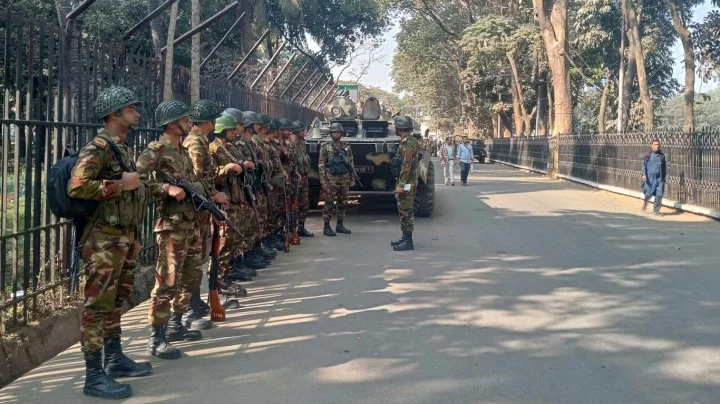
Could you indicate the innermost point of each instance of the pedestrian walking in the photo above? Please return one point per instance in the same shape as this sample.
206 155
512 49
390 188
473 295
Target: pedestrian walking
448 158
654 171
465 155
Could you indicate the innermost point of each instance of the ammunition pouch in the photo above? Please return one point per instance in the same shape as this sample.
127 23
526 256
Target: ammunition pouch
336 166
395 166
127 209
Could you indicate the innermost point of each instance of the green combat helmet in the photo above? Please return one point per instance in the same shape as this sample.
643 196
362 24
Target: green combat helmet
274 125
204 111
337 127
236 113
297 126
403 122
225 121
250 118
285 123
112 99
170 111
264 120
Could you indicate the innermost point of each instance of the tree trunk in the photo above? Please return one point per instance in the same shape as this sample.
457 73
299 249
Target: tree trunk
523 114
687 43
628 80
551 106
195 54
167 90
603 104
552 16
156 28
517 113
636 48
542 108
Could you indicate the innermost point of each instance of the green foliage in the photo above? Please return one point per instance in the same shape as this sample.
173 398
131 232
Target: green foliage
707 111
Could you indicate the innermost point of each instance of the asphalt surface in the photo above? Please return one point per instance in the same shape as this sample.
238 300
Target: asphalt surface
521 290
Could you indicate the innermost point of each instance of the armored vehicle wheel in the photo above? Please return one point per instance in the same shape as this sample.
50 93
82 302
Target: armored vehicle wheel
425 197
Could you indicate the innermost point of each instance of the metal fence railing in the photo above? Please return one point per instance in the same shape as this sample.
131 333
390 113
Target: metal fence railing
48 83
615 159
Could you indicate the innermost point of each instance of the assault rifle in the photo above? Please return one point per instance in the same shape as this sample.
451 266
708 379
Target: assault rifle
201 203
249 191
345 161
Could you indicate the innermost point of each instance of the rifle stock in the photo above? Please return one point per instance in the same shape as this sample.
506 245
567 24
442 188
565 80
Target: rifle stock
296 192
217 311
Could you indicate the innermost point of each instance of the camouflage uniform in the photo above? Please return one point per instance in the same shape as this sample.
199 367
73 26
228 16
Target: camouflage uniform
284 186
338 185
238 210
179 266
197 145
302 163
246 151
276 179
408 153
109 253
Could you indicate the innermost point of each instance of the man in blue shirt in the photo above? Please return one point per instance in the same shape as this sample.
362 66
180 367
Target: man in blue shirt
466 158
654 171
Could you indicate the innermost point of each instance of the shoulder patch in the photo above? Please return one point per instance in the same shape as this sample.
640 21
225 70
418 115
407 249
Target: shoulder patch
155 145
100 142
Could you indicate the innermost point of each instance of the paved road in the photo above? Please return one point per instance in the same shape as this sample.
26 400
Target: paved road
522 290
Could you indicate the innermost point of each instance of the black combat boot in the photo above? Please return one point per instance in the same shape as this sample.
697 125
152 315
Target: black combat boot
341 229
327 231
400 240
201 308
254 261
265 245
240 264
158 345
176 331
302 231
406 244
98 384
116 364
278 240
193 320
238 271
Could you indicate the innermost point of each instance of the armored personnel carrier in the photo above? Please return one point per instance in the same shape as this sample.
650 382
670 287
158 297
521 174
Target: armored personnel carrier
372 139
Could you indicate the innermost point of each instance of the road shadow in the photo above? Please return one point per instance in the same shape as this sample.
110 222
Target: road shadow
507 306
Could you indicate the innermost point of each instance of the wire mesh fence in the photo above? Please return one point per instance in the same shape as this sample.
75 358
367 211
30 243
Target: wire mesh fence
616 159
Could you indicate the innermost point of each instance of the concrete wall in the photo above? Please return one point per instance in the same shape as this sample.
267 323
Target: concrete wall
22 351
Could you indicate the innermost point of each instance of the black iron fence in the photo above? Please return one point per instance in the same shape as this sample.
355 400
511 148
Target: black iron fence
48 82
615 159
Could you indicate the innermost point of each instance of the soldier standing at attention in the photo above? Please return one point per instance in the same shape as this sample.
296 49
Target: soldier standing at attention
180 250
203 117
277 239
275 177
335 179
229 180
302 163
111 247
406 160
253 257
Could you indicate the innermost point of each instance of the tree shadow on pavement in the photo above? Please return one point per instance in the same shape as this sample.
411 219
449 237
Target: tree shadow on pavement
566 307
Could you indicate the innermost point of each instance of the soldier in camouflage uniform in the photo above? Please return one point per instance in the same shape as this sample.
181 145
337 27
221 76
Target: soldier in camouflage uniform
281 189
203 117
406 163
180 249
230 179
302 163
111 246
260 254
336 179
275 177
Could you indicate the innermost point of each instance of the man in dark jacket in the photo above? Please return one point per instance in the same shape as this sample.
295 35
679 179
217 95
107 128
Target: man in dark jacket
654 171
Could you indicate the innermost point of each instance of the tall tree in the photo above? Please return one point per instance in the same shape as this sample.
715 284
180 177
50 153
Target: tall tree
170 53
552 16
195 54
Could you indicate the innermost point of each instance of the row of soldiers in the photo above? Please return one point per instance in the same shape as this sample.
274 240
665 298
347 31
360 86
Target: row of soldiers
249 167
